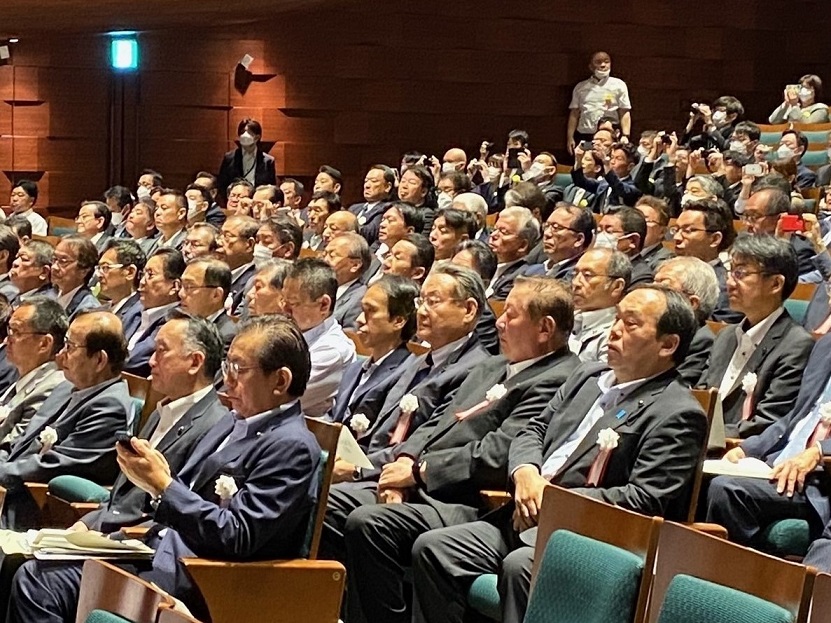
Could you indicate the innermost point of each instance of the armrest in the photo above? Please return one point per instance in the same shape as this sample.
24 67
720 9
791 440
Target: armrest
306 590
38 491
134 532
731 442
495 499
713 529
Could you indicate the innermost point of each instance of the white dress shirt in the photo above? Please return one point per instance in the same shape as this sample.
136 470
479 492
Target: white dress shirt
39 226
171 412
748 342
343 288
116 307
148 317
595 98
330 352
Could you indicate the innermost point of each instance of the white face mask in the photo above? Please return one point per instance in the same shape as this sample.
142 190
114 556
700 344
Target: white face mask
738 147
686 198
643 152
784 152
192 207
719 117
605 240
805 94
534 171
447 167
142 192
493 173
118 218
246 139
262 254
601 74
445 201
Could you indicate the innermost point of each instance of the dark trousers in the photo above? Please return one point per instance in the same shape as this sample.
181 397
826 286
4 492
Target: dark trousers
344 498
745 506
379 541
447 561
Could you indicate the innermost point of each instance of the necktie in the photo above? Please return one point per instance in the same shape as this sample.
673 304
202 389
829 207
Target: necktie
402 426
9 395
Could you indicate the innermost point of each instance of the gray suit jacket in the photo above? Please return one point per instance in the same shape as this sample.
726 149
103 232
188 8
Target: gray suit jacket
126 503
656 256
464 456
778 363
23 405
348 306
662 430
434 392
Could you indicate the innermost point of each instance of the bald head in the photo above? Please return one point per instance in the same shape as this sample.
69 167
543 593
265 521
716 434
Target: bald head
339 223
454 159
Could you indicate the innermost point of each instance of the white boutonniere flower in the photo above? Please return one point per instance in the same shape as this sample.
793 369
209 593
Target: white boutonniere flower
48 437
749 382
4 412
359 423
225 488
496 392
409 404
607 439
825 413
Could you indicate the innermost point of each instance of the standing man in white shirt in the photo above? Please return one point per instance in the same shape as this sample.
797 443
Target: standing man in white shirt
309 292
23 198
598 96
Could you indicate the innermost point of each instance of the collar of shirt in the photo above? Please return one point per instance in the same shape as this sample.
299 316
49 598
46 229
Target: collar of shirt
516 368
343 288
215 316
597 318
171 412
315 333
758 332
241 425
442 354
382 251
149 316
165 242
612 393
80 395
96 237
647 250
239 270
116 307
4 277
27 379
65 299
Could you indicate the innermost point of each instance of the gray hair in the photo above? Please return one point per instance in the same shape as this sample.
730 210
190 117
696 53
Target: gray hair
699 280
202 336
275 271
473 203
358 249
529 227
618 266
468 284
709 185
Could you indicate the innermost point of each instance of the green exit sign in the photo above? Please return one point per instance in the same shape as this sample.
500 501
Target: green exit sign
124 53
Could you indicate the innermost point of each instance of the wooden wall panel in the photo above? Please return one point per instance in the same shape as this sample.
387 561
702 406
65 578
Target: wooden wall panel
365 82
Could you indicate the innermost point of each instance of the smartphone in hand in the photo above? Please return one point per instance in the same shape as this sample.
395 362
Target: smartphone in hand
123 440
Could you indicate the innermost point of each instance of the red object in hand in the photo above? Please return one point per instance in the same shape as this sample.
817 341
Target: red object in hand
792 223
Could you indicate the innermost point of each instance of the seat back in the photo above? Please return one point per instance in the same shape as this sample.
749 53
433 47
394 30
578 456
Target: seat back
108 588
497 307
144 398
169 615
60 226
606 578
707 399
821 601
360 349
684 551
565 510
717 327
690 600
327 435
102 616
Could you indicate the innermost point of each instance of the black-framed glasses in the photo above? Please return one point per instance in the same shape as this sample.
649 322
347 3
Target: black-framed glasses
556 228
686 231
69 345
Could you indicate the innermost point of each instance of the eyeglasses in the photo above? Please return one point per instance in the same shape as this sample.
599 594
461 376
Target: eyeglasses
686 231
63 262
69 345
103 269
556 228
187 287
431 302
753 217
587 275
231 369
740 273
13 333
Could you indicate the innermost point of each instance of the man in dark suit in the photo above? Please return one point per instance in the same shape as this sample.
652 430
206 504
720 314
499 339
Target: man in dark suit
31 271
440 469
159 293
695 279
190 409
652 431
238 237
475 204
205 285
386 323
8 373
624 230
73 265
566 235
264 462
248 161
36 334
119 272
615 187
348 255
93 223
794 447
516 232
171 220
379 184
74 430
704 229
656 213
757 365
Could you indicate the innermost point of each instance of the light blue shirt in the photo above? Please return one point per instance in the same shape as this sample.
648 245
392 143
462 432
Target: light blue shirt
331 352
610 395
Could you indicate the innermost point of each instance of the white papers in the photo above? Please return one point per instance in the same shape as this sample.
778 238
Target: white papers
350 451
747 468
67 545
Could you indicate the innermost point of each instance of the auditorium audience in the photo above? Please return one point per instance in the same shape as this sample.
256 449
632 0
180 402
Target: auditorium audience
757 365
93 223
237 239
566 235
309 296
615 185
349 257
411 257
379 187
206 283
515 233
23 198
119 272
201 240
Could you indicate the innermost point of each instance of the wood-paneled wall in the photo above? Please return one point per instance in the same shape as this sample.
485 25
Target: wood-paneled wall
351 86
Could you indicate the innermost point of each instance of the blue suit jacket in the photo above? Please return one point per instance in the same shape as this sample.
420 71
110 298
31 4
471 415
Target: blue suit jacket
238 288
372 219
138 362
130 315
275 469
769 443
83 300
368 398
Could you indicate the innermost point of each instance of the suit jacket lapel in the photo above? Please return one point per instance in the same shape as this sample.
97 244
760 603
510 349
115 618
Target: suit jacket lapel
186 421
205 448
40 377
771 339
566 421
39 421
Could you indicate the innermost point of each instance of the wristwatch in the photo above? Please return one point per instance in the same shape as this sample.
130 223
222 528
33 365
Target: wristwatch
357 473
154 502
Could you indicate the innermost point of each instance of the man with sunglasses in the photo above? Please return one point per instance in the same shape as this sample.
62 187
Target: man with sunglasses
757 365
73 433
